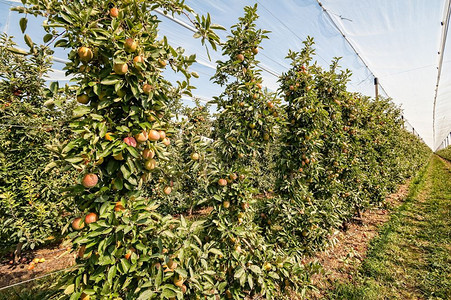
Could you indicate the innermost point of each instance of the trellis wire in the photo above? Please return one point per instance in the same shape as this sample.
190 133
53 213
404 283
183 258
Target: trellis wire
33 279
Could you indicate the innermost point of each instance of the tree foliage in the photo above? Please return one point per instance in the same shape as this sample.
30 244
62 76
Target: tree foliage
31 206
445 153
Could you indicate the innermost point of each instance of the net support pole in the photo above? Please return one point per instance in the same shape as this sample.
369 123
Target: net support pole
376 87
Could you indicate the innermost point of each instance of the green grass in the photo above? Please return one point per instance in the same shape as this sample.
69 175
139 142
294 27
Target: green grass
411 257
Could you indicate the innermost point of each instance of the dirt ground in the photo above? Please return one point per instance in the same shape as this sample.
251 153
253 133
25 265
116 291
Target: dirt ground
343 259
57 257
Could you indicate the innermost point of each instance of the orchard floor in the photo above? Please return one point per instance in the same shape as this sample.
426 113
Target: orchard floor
399 251
57 257
340 261
411 256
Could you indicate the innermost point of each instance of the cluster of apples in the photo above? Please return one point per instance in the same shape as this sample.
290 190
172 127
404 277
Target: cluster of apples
34 262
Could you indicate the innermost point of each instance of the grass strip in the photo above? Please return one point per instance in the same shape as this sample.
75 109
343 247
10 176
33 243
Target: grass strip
410 257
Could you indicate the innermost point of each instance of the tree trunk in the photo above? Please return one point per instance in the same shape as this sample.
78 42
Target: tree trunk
18 252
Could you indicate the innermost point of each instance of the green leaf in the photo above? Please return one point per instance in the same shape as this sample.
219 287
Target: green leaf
250 281
89 291
54 87
133 152
125 171
159 277
50 166
23 24
132 180
103 129
17 51
216 251
69 289
274 275
217 27
68 18
222 286
168 293
28 41
61 43
104 103
111 274
182 272
111 80
47 37
140 247
74 160
75 296
97 117
239 273
112 166
118 183
103 208
80 111
125 265
255 269
148 294
71 145
243 279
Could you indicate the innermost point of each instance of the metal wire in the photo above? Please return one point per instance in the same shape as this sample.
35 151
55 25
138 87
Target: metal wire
349 42
360 57
193 29
286 26
33 279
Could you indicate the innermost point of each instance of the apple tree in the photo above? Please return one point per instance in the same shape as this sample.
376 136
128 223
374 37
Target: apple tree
121 134
31 209
194 158
247 265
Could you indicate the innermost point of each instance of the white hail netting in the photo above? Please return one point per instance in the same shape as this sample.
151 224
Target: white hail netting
398 40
